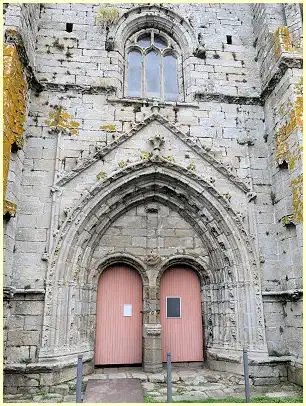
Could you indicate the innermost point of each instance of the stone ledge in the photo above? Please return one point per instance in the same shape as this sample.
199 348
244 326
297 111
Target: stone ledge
254 358
286 61
44 366
152 101
84 89
287 295
224 98
9 292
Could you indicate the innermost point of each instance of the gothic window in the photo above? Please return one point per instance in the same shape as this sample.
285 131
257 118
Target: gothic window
152 66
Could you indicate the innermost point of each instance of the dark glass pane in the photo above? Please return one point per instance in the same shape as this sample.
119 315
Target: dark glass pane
173 307
134 74
170 78
144 40
153 74
160 42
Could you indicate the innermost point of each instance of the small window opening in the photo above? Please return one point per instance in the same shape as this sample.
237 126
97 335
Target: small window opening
69 27
173 307
229 40
283 165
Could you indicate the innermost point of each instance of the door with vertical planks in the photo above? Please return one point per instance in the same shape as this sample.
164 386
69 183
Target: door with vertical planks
180 313
119 317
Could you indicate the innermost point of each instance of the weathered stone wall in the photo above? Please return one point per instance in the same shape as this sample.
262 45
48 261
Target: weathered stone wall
24 19
81 130
80 56
140 231
293 13
20 23
282 85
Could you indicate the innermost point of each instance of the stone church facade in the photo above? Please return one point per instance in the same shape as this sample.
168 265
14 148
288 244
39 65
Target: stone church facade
153 137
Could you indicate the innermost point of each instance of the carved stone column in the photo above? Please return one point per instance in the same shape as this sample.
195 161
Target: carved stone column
152 360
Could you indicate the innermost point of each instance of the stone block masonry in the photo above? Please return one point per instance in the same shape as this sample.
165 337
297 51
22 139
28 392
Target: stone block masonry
211 181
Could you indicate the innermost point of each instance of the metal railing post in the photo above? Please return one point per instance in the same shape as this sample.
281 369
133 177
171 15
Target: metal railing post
79 379
169 378
246 375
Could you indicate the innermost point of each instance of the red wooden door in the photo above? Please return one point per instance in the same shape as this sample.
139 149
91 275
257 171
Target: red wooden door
119 317
182 332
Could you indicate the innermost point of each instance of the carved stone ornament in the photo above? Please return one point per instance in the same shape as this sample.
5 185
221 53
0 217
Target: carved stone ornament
251 196
157 141
153 258
200 52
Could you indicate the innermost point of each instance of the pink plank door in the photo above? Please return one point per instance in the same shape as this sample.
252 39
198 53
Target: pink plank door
119 317
181 335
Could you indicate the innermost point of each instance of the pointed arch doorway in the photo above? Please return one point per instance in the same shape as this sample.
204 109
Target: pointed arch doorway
181 316
119 317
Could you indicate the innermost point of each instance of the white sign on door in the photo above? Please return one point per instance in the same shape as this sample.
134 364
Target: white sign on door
127 310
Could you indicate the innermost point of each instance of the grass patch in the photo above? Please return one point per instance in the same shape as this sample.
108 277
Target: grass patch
257 399
149 399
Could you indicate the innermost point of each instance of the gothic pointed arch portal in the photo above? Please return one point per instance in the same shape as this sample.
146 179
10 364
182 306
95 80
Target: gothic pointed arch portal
228 271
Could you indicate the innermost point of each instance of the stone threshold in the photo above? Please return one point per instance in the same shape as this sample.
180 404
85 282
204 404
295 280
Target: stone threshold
254 358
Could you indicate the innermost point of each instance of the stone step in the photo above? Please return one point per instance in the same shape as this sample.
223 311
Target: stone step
114 391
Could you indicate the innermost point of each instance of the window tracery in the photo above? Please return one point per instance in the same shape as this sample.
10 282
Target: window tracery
153 65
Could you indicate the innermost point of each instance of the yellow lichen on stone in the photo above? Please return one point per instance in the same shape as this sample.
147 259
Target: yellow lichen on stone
169 158
191 166
101 175
282 41
287 148
107 16
297 198
60 120
295 155
14 111
145 156
122 164
109 128
287 220
288 145
9 209
282 147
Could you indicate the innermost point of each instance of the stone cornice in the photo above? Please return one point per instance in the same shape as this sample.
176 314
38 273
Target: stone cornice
224 98
286 61
9 292
287 295
85 89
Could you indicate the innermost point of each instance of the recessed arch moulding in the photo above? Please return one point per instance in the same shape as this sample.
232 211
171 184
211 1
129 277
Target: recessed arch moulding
162 19
227 266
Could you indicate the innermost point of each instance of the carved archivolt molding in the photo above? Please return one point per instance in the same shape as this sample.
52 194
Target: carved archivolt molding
234 266
115 258
154 16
